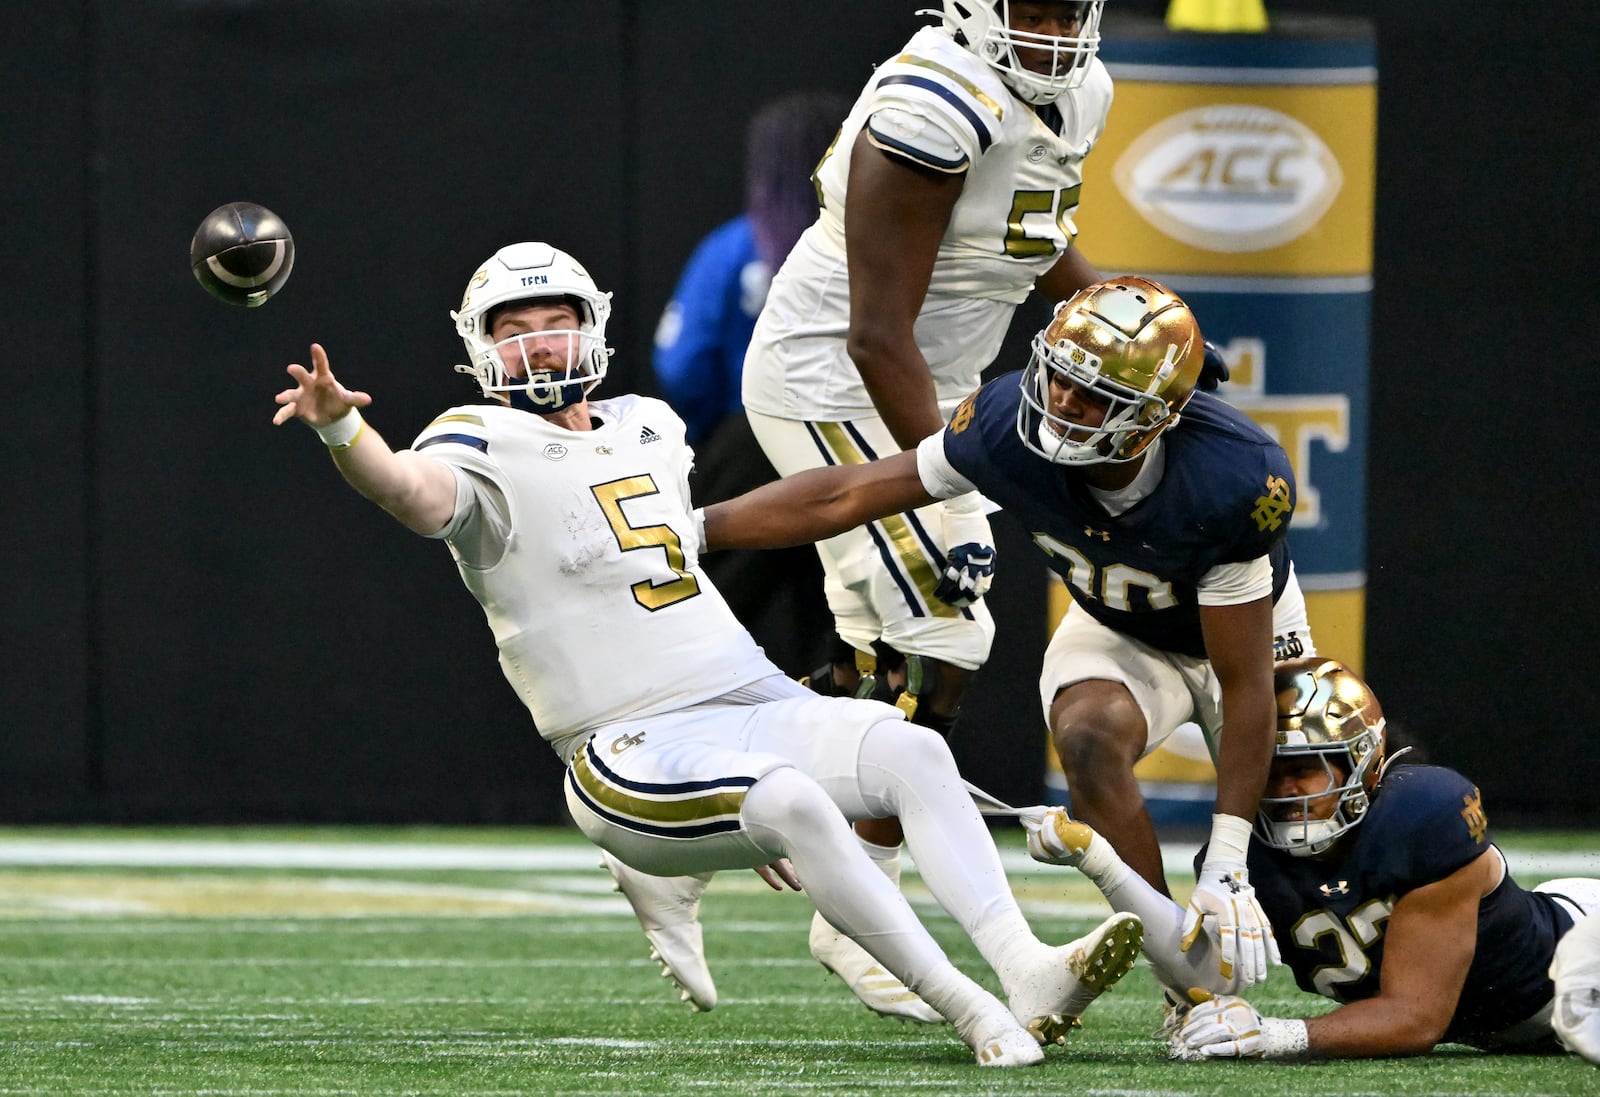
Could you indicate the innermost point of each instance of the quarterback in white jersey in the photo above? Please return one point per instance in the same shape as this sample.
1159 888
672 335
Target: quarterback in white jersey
687 750
946 198
616 509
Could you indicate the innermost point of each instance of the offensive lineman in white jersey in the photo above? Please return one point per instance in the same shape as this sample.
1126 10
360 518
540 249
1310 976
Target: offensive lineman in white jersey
687 750
946 197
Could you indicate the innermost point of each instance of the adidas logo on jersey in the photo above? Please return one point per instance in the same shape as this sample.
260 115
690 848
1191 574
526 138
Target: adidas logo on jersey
647 436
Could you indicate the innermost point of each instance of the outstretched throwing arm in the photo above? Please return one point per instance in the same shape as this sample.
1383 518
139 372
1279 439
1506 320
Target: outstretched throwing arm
419 491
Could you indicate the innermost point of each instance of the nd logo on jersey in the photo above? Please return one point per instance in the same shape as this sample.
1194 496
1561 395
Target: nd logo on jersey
1271 507
962 419
1473 815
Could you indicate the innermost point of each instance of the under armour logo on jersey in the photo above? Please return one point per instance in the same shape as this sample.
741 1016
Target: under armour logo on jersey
1340 888
1090 531
647 436
623 742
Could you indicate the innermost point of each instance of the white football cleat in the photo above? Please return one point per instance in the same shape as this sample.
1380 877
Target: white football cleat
878 990
997 1040
668 907
1051 1000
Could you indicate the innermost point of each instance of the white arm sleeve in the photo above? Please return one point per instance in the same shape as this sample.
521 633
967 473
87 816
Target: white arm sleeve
939 476
1235 584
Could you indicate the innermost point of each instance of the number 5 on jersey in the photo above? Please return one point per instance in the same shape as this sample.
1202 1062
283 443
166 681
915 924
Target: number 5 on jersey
647 592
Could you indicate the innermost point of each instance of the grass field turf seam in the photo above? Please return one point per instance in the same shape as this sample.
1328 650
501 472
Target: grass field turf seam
219 981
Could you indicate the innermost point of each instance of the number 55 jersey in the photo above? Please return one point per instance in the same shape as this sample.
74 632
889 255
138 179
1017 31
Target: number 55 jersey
938 106
582 548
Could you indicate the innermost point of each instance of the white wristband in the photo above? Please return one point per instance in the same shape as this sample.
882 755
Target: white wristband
1230 839
343 431
964 505
1282 1039
699 515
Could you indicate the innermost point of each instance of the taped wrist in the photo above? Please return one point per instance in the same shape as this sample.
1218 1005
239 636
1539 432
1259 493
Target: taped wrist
1282 1039
343 431
1230 840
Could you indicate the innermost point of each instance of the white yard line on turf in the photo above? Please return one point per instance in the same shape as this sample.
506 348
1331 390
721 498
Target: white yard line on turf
1177 858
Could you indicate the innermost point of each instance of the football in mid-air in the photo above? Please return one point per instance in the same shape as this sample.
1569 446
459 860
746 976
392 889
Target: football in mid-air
242 253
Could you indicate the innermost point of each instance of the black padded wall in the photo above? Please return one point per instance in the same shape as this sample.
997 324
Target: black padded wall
201 621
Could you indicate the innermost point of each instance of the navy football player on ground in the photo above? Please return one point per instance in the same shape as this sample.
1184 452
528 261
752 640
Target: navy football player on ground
1169 535
1411 919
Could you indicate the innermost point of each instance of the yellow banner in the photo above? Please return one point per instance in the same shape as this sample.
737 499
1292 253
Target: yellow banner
1230 179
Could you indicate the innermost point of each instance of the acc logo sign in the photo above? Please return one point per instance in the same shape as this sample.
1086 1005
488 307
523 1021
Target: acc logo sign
1231 177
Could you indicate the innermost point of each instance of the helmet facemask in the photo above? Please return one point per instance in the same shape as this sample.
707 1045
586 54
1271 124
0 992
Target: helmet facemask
539 371
1132 419
1289 823
1130 345
986 27
1326 713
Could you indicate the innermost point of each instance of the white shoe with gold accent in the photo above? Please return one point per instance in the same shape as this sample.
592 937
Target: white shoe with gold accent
668 908
1050 1002
997 1040
878 990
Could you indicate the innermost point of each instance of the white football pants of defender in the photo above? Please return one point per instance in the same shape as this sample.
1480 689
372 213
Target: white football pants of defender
1171 690
879 578
774 770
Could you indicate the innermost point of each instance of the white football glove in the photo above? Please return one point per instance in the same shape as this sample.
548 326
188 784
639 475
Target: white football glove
1228 1027
1245 945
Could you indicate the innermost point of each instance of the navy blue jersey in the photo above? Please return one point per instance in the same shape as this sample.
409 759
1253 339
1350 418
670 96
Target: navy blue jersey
1225 497
1329 915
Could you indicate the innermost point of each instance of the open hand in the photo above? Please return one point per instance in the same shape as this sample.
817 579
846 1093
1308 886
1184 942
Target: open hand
317 397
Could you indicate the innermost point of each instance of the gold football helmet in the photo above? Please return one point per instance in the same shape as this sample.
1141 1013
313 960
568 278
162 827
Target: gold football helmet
1127 343
1324 711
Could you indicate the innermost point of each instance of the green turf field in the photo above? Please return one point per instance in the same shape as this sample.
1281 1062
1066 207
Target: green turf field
375 962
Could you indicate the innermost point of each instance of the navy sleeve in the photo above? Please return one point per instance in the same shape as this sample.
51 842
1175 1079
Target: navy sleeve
1434 824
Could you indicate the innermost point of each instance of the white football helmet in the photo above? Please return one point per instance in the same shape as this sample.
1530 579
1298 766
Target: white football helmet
985 25
1128 343
534 273
1324 712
